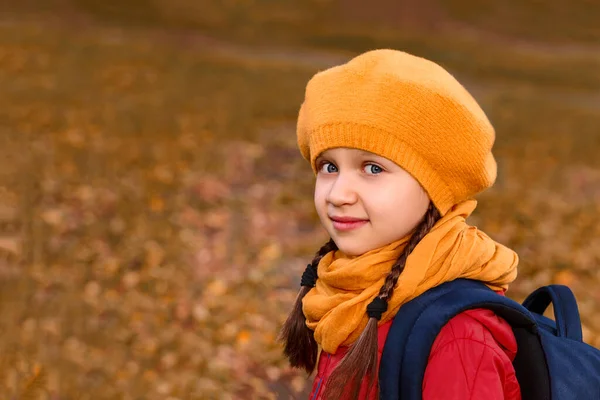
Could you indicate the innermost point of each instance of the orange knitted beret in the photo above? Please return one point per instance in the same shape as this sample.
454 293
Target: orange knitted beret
407 109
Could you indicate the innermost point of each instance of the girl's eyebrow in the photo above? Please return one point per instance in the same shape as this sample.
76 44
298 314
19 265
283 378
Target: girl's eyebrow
365 154
370 156
362 155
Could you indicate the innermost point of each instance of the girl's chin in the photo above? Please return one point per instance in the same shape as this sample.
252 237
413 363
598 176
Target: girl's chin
349 250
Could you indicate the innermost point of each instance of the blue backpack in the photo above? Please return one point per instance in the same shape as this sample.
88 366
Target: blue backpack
552 362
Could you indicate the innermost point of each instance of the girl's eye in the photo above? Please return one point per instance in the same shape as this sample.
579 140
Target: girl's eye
329 167
375 169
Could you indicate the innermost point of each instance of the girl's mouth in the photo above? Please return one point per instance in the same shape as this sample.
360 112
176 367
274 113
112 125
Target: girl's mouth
348 225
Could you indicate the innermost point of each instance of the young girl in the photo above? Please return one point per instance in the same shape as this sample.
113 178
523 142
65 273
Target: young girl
399 148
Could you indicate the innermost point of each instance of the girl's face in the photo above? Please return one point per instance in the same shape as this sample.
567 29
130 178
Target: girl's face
355 184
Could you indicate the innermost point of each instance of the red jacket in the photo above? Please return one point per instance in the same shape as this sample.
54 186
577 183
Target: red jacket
471 359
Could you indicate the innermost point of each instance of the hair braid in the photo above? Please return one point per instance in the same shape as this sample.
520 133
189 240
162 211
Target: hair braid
300 346
429 220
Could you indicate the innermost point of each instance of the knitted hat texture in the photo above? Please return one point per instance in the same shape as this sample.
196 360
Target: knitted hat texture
407 109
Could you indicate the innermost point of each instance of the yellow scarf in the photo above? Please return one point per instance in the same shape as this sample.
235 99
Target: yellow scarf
336 307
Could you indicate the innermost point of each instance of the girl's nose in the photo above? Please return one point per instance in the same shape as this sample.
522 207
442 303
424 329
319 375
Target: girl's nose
342 191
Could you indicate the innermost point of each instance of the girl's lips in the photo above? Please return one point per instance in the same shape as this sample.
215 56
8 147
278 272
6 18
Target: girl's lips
348 226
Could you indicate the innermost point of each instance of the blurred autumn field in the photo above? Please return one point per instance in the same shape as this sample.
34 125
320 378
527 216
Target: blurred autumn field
156 215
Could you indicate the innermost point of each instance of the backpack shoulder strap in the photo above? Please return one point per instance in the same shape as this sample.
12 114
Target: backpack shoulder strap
418 322
566 312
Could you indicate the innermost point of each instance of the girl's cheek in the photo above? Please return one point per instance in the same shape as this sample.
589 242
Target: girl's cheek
319 195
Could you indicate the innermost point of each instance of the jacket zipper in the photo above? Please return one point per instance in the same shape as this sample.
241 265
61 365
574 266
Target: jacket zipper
321 379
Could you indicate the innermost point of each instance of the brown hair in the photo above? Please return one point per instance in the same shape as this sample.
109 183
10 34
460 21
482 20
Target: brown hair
360 361
300 346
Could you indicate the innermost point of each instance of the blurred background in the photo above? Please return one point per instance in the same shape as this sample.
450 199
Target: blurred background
156 215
